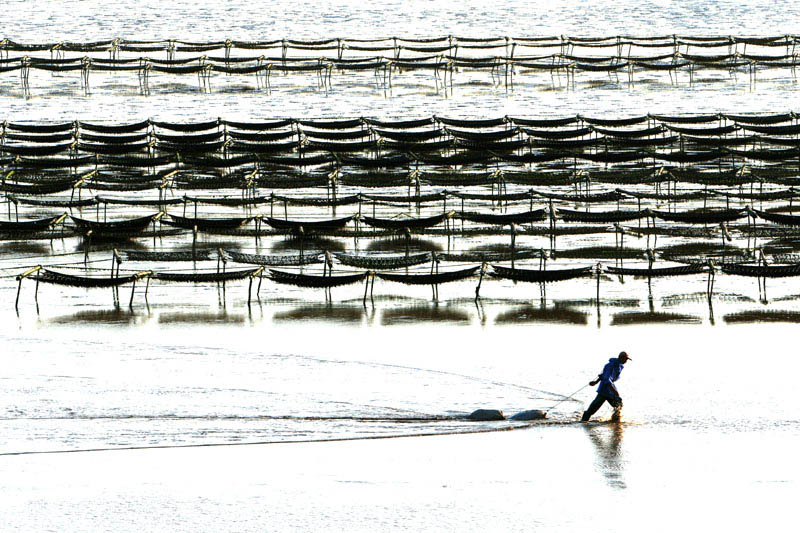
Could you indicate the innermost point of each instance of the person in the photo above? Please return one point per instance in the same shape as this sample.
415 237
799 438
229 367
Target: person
607 391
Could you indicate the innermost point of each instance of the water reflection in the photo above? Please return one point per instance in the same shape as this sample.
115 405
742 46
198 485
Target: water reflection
674 300
784 245
607 441
755 316
527 314
200 247
292 244
703 249
110 239
598 252
502 248
26 247
107 245
341 314
653 317
424 313
591 302
201 317
118 316
399 245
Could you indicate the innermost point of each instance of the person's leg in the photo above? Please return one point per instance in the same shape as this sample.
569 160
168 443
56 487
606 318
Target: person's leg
616 403
596 404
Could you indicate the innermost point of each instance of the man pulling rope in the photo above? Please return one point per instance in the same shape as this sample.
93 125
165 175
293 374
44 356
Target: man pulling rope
607 391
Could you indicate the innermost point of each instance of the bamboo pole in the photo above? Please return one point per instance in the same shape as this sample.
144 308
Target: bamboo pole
20 278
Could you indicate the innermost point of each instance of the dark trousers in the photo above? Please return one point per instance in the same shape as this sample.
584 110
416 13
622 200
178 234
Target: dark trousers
597 403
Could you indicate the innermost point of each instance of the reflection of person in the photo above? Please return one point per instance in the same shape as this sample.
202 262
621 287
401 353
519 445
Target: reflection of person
607 441
607 391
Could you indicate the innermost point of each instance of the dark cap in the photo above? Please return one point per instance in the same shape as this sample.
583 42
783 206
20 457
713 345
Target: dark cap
625 355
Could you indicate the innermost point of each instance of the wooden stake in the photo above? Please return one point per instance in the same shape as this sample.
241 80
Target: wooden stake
133 288
480 280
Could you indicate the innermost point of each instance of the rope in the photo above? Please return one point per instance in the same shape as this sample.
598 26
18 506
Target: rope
267 442
570 397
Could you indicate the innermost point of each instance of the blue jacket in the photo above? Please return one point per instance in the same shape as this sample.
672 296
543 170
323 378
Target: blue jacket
609 375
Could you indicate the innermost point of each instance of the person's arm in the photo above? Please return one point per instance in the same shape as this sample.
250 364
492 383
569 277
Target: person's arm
608 373
604 376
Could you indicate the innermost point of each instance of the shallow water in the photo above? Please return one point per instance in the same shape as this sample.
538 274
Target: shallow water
691 438
711 423
117 98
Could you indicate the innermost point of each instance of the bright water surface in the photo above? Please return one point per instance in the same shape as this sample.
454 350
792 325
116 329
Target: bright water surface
711 412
